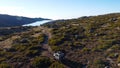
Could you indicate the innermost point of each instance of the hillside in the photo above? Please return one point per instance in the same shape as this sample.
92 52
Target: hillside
8 20
87 42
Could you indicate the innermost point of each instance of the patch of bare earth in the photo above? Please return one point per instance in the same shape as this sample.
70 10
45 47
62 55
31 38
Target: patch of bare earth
48 51
8 42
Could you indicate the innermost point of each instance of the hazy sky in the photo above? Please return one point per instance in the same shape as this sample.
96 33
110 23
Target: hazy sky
58 9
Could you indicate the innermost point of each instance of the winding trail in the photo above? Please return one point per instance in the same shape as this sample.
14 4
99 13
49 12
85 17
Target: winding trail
48 51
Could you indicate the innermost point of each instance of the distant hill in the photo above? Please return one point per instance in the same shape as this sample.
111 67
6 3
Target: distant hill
8 20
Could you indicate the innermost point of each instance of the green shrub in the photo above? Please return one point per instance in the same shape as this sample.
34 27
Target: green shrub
41 62
41 38
52 42
1 38
114 55
34 48
2 53
5 65
57 65
111 55
2 59
32 53
99 63
34 42
118 59
95 50
19 47
103 47
56 41
18 58
115 47
85 49
56 48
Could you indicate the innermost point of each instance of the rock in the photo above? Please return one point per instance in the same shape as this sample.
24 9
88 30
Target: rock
59 55
119 64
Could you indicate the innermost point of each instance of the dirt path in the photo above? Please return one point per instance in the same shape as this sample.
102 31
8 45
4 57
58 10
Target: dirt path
48 52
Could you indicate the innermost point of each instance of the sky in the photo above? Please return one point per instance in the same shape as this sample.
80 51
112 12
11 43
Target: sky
58 9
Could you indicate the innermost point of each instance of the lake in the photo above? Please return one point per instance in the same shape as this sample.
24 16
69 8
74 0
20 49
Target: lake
38 23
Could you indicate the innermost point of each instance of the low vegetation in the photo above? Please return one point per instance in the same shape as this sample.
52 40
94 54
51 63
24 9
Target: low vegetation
91 42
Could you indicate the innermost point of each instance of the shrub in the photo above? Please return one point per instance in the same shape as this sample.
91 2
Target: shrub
31 53
56 48
52 42
105 46
56 41
1 38
5 65
41 38
41 62
34 41
2 59
111 55
118 60
99 63
2 53
34 48
57 65
115 47
95 50
19 47
85 49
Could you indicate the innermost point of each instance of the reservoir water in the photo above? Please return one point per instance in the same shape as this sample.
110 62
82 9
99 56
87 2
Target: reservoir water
38 23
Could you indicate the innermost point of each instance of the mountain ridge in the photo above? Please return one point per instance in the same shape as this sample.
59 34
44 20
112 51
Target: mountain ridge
9 20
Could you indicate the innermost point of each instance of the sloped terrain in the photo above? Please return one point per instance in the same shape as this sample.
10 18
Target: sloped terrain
87 42
93 41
